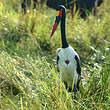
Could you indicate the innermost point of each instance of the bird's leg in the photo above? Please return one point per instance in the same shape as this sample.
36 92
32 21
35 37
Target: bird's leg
75 90
69 89
78 84
66 85
24 6
35 3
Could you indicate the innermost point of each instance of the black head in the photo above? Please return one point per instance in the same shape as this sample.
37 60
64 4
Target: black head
60 7
59 15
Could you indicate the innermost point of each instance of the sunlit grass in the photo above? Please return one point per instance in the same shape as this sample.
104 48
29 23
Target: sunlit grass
28 76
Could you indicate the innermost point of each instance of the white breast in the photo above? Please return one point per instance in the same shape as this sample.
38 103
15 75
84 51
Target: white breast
68 72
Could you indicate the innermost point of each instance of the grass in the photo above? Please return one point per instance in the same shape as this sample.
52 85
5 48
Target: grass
28 76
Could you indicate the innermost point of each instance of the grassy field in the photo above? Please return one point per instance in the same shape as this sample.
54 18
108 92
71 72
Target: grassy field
28 59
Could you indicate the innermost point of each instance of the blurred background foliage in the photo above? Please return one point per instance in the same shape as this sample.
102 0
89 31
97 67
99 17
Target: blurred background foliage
28 55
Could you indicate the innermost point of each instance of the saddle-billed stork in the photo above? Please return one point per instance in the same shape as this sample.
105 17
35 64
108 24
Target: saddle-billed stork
68 61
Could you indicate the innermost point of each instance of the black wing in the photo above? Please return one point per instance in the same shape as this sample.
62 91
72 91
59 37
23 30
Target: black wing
57 63
78 65
78 70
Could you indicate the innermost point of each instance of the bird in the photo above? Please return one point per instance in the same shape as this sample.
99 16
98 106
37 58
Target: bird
68 61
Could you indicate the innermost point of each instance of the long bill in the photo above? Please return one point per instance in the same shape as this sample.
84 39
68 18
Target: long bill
58 18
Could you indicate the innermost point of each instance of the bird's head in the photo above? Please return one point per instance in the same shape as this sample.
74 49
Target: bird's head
60 13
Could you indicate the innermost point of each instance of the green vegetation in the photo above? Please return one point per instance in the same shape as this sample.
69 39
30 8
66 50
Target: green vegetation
27 59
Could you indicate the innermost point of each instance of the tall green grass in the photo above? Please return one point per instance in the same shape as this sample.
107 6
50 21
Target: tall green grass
28 76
